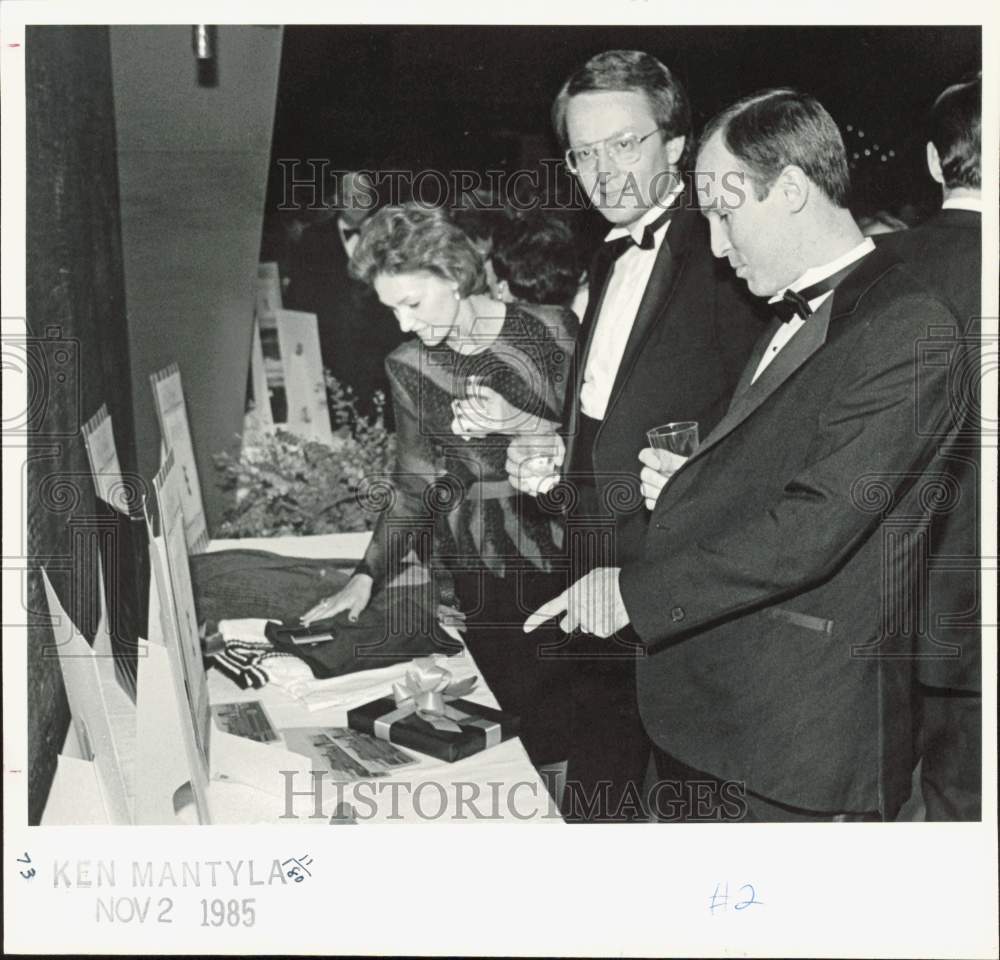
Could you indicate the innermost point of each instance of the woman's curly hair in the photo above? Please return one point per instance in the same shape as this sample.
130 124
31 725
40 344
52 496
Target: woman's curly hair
413 237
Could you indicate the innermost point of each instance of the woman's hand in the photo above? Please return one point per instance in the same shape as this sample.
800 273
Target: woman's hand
353 597
533 463
484 411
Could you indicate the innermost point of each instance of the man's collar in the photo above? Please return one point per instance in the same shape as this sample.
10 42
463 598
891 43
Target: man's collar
815 274
637 227
344 227
975 204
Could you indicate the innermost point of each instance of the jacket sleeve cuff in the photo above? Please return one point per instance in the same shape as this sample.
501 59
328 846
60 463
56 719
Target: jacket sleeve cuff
654 613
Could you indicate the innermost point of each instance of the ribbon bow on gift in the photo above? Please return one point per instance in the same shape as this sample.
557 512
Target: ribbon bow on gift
426 692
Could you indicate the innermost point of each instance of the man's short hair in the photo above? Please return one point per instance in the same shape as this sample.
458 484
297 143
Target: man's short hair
955 125
773 129
635 72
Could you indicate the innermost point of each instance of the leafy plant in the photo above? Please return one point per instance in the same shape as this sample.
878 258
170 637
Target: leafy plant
286 484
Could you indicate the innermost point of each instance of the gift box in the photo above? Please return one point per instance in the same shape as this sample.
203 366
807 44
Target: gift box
425 714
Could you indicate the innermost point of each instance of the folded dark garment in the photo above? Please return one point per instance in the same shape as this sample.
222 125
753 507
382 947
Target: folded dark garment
233 584
399 623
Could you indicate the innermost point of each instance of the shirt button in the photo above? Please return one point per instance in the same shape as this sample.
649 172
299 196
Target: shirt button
677 614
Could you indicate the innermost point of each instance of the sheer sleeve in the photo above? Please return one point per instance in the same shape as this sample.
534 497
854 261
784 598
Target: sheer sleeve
537 354
404 499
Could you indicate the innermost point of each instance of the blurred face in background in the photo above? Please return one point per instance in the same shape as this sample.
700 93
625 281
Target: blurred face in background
622 191
423 303
358 198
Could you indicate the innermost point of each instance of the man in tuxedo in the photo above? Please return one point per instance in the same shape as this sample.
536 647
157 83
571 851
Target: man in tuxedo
664 338
356 331
773 592
946 251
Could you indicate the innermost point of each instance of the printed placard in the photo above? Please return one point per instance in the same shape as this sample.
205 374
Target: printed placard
179 625
305 389
171 411
99 441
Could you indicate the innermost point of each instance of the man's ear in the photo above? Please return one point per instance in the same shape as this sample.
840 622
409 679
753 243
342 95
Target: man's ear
674 148
934 163
793 187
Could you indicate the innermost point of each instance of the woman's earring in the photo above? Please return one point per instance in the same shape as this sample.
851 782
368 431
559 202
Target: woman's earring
458 296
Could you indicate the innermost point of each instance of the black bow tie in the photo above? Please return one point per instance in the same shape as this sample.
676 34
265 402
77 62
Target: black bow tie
349 232
615 248
795 303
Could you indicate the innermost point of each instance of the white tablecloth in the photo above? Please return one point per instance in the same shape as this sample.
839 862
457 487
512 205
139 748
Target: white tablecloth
497 784
332 546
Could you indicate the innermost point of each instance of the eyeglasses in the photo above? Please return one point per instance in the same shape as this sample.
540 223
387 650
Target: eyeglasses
623 149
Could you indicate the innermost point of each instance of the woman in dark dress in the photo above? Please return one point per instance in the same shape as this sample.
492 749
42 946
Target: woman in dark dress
448 502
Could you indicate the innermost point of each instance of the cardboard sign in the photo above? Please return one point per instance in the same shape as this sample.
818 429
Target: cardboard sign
103 715
302 363
268 288
179 626
99 441
168 396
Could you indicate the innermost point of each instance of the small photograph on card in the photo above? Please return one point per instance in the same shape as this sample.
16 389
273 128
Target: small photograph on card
347 754
248 720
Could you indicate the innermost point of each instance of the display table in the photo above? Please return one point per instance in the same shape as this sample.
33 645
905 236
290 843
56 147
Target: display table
327 546
498 784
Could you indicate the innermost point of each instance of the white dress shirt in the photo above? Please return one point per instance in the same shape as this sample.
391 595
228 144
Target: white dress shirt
613 326
350 243
963 203
813 275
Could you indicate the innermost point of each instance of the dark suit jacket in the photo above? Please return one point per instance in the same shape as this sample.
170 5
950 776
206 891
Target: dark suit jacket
774 591
692 334
946 252
356 332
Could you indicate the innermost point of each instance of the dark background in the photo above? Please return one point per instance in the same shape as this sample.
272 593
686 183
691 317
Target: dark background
478 97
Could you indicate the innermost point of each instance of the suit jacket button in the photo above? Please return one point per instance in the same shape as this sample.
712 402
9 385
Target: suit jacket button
677 614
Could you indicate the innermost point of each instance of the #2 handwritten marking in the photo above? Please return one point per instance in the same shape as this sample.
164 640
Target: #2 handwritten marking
720 898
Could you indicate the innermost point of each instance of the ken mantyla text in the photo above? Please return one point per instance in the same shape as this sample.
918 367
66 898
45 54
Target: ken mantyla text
164 873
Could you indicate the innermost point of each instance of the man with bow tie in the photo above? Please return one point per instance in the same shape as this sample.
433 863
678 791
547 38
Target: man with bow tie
665 336
774 593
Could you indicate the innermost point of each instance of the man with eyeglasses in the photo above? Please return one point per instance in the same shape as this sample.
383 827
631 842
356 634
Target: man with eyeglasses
781 589
664 338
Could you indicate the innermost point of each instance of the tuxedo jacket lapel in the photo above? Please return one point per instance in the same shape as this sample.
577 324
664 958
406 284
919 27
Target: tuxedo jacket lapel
670 261
746 378
601 268
791 357
799 349
654 301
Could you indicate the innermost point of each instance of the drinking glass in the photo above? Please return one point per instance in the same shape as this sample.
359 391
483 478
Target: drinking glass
680 437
